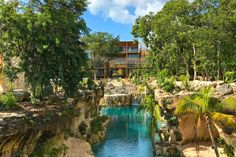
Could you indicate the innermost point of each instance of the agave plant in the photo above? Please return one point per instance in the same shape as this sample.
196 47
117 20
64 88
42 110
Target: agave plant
150 106
204 105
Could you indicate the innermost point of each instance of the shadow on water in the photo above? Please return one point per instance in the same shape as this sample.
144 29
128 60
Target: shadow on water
127 135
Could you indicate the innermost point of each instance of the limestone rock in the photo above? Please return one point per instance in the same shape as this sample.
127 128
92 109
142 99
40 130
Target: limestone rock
233 86
187 124
21 95
167 150
78 148
116 100
224 89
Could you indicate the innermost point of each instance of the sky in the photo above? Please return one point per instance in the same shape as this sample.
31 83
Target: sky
117 16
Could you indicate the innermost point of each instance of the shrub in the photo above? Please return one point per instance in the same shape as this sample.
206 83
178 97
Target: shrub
97 124
142 88
230 76
185 81
228 149
168 85
162 75
7 101
164 80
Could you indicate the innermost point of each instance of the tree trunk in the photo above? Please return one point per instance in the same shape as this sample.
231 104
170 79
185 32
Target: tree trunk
95 75
152 133
159 134
194 63
218 60
195 128
208 121
187 67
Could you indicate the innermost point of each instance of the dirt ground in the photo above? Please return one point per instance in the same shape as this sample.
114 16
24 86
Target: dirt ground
202 149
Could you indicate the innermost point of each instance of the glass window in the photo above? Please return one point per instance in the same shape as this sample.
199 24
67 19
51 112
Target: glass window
133 49
133 56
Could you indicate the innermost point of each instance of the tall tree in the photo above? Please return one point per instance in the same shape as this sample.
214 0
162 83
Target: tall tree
100 47
46 38
192 38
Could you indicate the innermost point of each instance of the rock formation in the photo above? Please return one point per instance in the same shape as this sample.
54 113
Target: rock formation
52 129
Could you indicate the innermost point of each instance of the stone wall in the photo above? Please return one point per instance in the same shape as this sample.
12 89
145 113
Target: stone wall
116 100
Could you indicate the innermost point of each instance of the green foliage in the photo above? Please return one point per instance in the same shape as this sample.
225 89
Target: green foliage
230 76
100 48
191 38
164 80
88 83
97 124
185 81
8 101
43 40
162 75
140 76
150 106
205 106
202 103
168 85
50 148
142 88
228 149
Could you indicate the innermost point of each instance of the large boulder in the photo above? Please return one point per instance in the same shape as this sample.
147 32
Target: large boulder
233 86
223 90
167 150
21 95
187 125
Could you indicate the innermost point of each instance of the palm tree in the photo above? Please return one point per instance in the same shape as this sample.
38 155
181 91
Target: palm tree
150 105
204 105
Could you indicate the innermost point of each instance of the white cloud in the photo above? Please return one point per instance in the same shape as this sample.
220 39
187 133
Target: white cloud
118 10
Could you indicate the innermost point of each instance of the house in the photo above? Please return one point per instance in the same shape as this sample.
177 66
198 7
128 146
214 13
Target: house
131 56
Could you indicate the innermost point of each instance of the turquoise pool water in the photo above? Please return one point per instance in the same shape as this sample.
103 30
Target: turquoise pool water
127 135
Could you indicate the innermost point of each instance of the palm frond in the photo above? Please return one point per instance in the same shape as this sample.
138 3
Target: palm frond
229 120
187 105
147 104
157 112
206 94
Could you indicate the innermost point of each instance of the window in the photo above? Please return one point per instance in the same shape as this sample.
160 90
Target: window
133 49
133 56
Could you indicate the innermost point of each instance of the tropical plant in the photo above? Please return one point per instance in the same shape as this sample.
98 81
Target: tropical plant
185 81
194 38
43 41
7 101
150 105
230 76
204 105
228 149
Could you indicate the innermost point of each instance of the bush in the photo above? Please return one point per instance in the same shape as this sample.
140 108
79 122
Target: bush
230 76
164 80
97 124
185 81
162 76
228 149
168 85
7 101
